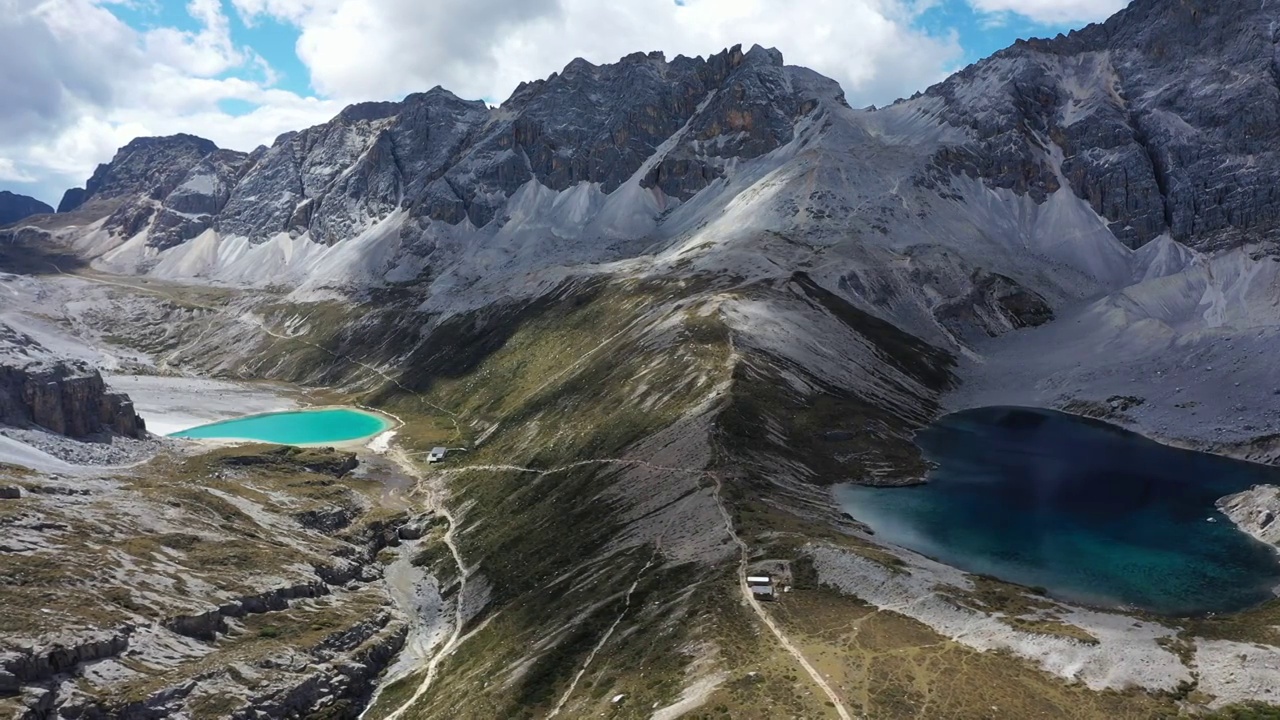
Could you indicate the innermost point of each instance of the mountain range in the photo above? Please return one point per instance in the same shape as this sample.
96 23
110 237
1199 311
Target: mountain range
667 303
1054 171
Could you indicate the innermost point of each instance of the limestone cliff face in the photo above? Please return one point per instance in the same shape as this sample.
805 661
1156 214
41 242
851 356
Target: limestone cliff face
1165 119
173 186
67 397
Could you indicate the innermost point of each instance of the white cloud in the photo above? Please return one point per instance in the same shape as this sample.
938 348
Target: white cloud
1054 11
484 48
10 172
205 53
79 83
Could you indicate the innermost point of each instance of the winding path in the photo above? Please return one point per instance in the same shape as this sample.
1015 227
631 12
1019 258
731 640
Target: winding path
744 553
436 504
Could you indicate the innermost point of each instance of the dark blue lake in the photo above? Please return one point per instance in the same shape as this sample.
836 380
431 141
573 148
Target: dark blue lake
1091 512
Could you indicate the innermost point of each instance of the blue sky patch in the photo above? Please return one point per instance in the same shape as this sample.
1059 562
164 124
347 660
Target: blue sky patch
982 34
151 14
277 44
236 107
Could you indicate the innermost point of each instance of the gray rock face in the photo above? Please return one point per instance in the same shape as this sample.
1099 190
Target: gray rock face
67 397
452 160
34 665
446 159
1165 118
152 167
174 186
1254 511
192 206
15 207
209 624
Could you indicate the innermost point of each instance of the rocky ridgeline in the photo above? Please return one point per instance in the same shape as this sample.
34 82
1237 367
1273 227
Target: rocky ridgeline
1131 115
446 159
15 207
67 397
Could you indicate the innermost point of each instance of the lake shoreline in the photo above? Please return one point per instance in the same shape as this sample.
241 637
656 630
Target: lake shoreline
387 422
1097 514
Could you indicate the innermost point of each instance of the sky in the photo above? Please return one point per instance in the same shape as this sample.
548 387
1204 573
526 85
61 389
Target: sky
80 78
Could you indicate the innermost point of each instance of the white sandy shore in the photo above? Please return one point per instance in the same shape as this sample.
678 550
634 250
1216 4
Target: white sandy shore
379 442
173 404
1129 652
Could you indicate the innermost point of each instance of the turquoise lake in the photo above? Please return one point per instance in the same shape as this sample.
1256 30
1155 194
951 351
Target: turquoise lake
1090 512
306 427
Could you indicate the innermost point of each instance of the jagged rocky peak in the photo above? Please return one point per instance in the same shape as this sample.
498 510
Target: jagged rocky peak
1165 119
451 160
601 123
150 166
331 179
14 207
172 187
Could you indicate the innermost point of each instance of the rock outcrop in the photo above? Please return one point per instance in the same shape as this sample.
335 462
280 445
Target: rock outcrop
64 396
15 207
36 665
68 398
1255 511
323 460
208 625
344 670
